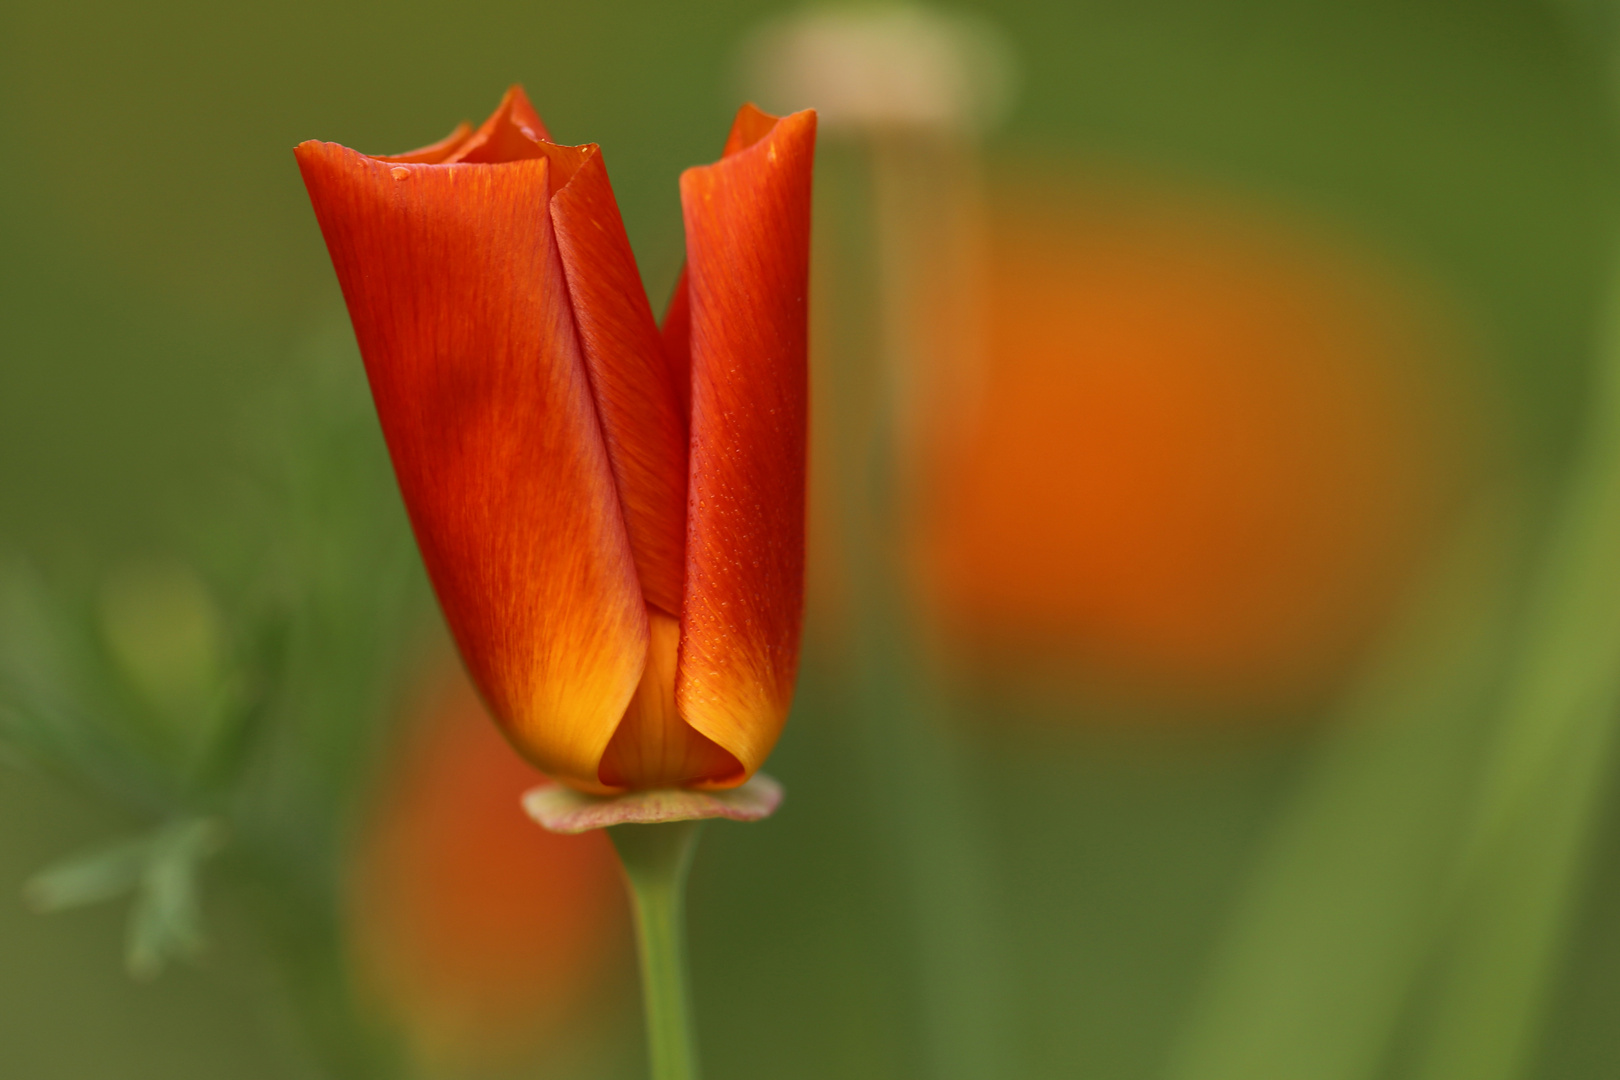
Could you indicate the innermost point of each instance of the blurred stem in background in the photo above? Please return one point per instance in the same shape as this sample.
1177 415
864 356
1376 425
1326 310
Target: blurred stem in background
921 191
902 94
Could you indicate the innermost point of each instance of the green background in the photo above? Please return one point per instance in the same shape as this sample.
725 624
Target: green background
159 268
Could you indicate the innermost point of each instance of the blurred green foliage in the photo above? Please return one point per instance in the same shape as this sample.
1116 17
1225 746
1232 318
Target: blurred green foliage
179 402
229 700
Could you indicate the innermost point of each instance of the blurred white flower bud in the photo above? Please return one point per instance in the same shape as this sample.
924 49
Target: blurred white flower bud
865 67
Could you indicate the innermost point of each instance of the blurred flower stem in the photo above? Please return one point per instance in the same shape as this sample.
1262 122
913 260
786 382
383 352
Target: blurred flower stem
897 227
656 859
904 94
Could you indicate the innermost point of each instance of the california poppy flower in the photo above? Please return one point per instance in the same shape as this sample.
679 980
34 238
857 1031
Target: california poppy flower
612 514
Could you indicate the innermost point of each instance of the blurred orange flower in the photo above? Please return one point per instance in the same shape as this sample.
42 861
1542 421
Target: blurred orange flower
478 931
612 515
1207 456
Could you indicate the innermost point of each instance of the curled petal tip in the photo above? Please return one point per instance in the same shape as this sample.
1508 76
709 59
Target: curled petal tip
514 131
750 125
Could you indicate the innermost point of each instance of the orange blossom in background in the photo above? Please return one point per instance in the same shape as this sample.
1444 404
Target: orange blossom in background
479 932
1205 455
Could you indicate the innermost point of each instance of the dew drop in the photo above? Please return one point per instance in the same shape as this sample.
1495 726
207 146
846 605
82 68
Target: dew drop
399 172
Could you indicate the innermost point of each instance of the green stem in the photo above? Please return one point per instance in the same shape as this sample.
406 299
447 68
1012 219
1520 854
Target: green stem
655 859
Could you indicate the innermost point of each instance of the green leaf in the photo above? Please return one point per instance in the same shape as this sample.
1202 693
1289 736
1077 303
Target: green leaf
167 638
1543 781
161 868
1429 847
1326 944
53 703
91 877
166 920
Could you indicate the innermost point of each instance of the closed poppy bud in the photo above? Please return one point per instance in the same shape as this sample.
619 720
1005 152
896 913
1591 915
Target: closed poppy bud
612 514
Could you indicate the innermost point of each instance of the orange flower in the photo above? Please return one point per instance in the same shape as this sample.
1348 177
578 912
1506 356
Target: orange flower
1208 455
478 932
612 515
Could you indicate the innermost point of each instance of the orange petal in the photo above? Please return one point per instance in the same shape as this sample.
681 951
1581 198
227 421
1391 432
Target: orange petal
748 254
433 153
510 134
636 397
459 303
